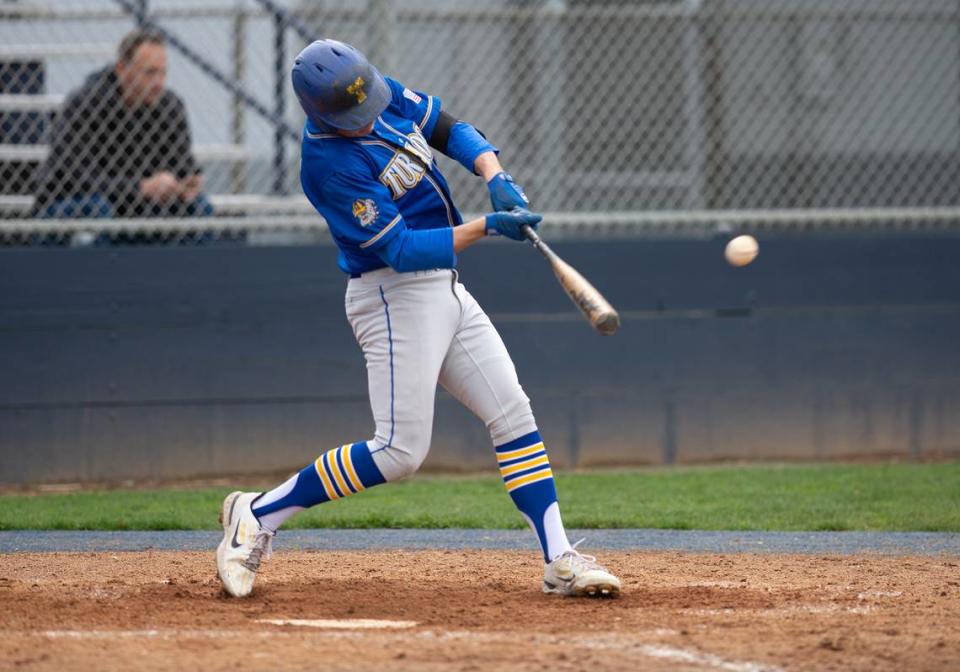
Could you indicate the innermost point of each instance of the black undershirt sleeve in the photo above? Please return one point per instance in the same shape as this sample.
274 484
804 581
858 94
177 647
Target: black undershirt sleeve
441 132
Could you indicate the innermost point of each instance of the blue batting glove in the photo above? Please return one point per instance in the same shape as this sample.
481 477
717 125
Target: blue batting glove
505 194
509 223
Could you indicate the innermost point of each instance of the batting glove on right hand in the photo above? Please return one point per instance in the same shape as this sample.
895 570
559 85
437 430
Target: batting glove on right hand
510 223
505 194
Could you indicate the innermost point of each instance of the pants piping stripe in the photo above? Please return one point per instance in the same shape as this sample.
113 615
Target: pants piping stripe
393 420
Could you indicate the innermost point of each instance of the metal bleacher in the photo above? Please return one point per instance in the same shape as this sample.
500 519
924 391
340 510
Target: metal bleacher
18 204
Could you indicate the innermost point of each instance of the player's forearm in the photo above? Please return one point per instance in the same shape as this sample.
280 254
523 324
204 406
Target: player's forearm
487 165
419 250
467 234
463 143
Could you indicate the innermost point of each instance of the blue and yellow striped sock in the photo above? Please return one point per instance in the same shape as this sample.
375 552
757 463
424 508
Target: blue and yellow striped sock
526 474
337 473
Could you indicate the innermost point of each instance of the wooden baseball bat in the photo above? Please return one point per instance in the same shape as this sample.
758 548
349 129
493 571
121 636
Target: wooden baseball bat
585 296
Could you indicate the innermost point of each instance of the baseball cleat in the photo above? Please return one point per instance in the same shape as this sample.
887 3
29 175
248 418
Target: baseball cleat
244 544
579 575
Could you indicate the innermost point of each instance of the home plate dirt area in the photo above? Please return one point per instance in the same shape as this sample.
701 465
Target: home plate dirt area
478 610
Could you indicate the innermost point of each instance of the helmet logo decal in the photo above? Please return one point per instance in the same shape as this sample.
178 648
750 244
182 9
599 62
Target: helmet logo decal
366 211
356 89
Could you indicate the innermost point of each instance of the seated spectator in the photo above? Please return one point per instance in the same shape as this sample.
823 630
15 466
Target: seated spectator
121 143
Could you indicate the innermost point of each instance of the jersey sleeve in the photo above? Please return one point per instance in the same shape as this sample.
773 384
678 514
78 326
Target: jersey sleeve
359 210
420 108
466 143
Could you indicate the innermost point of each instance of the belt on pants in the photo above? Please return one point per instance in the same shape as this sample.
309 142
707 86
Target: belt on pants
354 276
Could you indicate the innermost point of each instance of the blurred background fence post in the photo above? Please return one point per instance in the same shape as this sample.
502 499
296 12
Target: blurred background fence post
238 134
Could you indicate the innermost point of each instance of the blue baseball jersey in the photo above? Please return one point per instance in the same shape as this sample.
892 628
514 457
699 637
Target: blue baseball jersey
372 188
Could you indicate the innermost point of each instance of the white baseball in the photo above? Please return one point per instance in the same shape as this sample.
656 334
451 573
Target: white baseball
741 250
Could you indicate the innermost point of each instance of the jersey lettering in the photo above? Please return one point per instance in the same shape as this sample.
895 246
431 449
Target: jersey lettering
402 174
417 145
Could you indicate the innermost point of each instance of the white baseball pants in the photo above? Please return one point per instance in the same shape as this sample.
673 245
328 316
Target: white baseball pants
417 329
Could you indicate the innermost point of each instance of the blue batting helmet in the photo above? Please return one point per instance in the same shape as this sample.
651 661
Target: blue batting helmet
337 86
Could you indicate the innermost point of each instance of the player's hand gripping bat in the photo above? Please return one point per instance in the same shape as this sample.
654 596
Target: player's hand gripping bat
591 303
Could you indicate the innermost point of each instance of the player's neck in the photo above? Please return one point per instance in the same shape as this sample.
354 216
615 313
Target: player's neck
356 133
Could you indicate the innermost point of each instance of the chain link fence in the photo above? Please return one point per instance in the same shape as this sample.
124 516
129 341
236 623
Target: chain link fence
606 111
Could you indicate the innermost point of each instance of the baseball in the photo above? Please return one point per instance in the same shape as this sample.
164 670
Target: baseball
741 250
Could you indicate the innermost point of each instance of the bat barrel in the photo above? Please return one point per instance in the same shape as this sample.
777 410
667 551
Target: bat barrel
608 323
598 311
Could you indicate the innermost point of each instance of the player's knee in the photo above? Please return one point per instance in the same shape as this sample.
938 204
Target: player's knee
400 459
516 419
408 461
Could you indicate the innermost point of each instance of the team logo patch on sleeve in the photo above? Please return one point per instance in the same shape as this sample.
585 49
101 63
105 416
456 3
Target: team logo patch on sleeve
366 211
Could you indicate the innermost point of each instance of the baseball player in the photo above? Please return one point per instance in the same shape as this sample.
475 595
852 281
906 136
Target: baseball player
368 167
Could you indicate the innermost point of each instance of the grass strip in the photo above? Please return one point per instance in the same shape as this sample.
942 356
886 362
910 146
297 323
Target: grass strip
920 497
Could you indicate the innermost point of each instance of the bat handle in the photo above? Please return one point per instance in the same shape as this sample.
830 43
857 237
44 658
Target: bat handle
538 243
530 234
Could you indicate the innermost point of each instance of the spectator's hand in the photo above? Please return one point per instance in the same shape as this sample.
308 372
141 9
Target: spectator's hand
191 187
161 188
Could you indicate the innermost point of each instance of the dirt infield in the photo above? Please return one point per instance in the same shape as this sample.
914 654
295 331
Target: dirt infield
480 610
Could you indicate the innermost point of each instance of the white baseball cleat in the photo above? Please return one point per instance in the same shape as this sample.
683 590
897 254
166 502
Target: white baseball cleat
579 575
244 544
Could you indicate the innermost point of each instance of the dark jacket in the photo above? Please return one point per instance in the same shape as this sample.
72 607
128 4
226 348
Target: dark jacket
101 147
